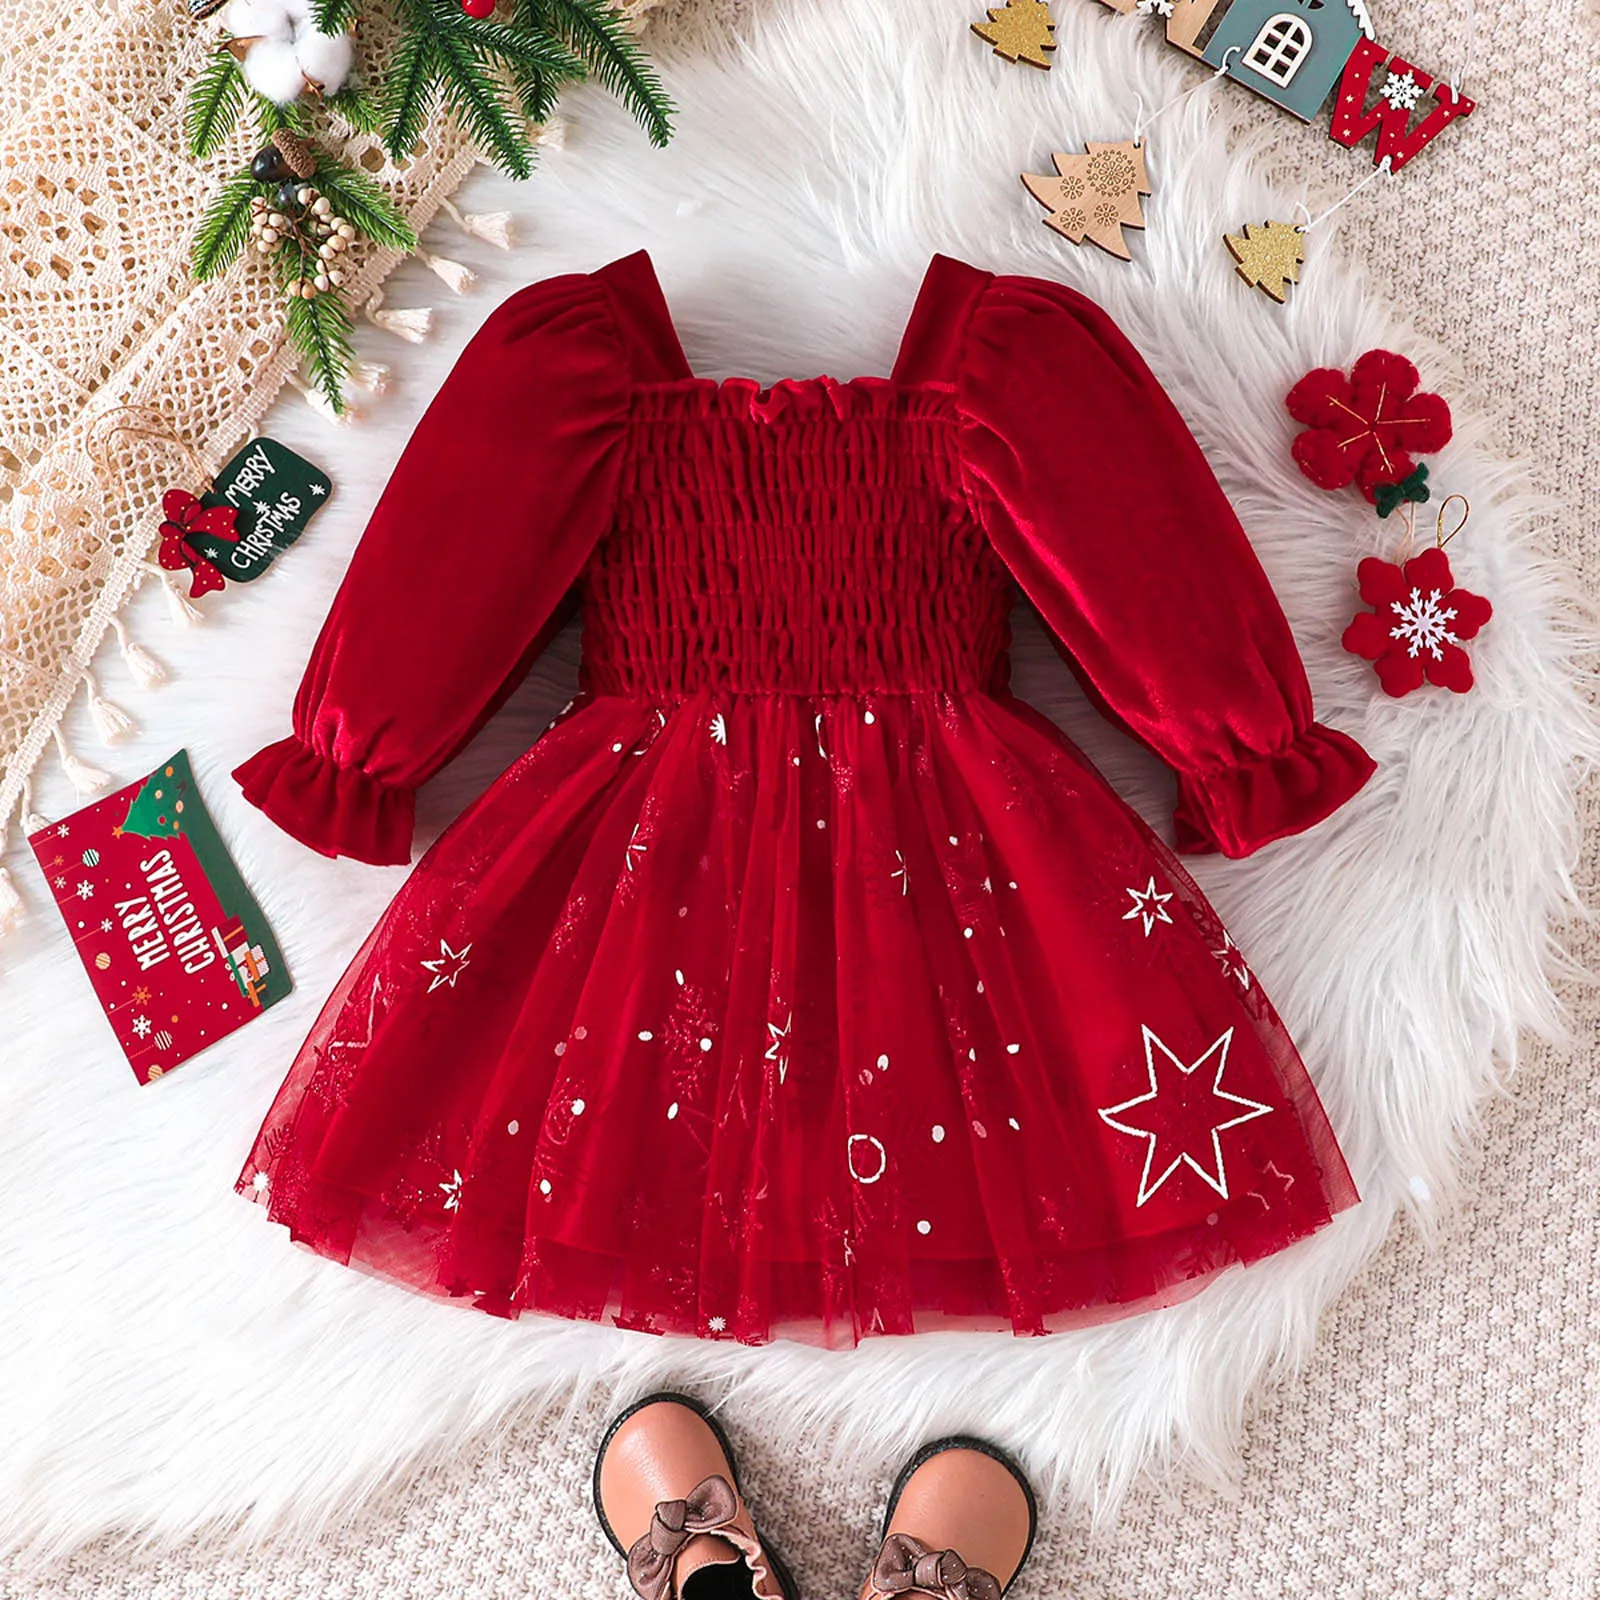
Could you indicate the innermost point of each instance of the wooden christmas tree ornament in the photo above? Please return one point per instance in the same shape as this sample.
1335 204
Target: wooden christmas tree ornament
1020 30
1095 195
1269 256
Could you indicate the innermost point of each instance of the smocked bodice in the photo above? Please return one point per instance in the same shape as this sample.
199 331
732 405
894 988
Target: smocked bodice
815 538
807 539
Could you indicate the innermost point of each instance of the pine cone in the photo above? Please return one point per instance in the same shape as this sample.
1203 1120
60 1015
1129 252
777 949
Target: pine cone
296 152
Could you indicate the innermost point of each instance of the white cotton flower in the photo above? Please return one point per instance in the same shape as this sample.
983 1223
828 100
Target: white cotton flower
289 50
272 69
324 58
257 19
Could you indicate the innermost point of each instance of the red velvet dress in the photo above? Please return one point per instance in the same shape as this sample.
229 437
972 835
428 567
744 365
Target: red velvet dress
800 980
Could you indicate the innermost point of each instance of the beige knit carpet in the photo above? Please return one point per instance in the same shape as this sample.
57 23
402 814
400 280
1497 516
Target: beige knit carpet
1445 1444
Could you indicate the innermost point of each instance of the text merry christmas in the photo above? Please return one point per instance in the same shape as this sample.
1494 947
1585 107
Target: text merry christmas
164 922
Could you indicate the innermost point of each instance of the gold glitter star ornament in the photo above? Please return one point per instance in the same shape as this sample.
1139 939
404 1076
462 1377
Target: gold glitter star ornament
1095 195
1020 30
1269 256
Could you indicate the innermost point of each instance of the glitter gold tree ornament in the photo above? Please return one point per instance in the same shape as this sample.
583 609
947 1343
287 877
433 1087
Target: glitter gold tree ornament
1095 195
1269 256
1020 30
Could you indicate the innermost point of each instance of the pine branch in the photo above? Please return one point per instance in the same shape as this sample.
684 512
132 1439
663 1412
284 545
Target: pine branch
335 16
470 89
215 100
600 37
365 203
538 64
358 107
529 49
410 88
270 117
224 227
319 328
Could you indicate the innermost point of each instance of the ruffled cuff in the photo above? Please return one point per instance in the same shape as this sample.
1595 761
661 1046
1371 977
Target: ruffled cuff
1237 809
337 810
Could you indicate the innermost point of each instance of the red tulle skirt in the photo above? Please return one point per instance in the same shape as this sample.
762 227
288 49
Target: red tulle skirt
813 1017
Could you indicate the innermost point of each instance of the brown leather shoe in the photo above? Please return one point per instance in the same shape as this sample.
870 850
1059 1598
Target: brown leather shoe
667 1494
959 1526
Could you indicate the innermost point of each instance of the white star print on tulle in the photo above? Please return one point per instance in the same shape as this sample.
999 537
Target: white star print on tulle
776 1053
447 966
1150 904
1231 959
1162 1163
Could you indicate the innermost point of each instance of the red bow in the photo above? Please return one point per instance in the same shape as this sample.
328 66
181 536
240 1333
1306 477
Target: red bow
184 516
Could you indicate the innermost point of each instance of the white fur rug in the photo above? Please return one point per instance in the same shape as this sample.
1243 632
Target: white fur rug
167 1360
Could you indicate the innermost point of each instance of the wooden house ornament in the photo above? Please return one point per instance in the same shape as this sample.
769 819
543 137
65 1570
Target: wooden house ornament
1291 51
1298 52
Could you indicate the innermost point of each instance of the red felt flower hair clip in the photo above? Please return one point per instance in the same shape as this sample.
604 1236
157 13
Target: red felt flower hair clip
1369 428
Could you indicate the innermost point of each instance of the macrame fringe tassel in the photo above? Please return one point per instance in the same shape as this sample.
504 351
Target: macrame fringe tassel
109 718
494 227
183 613
32 822
142 667
320 403
412 323
371 377
457 277
84 778
12 904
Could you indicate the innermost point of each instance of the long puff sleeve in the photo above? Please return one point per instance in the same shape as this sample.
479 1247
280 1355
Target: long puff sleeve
460 577
1096 496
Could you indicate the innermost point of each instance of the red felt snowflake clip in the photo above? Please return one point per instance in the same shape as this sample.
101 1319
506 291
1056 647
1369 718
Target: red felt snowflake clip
1419 621
185 515
1368 428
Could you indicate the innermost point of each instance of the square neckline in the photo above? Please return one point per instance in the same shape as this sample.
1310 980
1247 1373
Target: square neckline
925 348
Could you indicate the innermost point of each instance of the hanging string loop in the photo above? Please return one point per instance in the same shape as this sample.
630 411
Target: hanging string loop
1384 169
1141 122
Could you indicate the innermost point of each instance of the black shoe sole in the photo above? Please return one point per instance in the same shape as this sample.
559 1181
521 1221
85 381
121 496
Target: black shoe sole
780 1569
984 1448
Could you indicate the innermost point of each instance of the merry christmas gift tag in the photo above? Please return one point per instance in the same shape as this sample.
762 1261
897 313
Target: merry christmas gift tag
176 947
275 493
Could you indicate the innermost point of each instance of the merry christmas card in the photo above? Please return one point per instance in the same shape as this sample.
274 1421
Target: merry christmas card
176 947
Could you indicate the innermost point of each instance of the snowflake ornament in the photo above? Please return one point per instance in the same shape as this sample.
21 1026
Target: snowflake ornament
1154 8
1402 91
1418 625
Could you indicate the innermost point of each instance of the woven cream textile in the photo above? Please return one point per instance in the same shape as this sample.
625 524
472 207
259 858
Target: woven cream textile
98 200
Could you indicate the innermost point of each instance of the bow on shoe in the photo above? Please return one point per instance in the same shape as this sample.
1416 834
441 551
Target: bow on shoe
708 1508
185 515
906 1566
